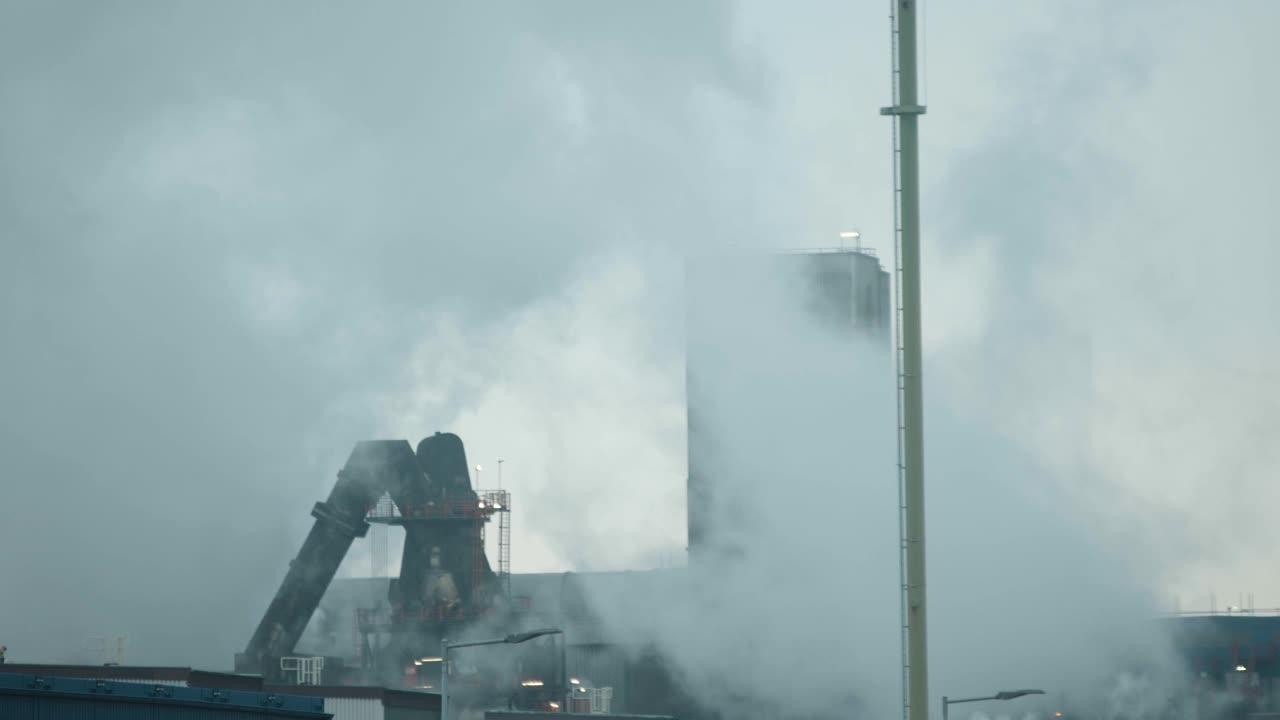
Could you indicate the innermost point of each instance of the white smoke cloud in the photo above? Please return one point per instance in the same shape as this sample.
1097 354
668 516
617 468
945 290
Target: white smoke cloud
580 395
226 267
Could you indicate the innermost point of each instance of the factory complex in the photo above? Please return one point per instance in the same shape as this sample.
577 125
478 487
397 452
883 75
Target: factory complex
458 635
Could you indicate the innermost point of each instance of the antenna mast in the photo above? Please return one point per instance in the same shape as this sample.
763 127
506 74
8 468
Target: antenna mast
905 112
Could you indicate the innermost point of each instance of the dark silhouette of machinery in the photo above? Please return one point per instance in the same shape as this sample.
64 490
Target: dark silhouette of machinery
445 577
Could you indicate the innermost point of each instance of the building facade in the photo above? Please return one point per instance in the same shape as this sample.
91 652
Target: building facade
341 702
746 316
49 697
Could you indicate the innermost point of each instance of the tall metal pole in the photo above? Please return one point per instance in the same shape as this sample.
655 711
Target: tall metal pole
444 680
906 111
564 672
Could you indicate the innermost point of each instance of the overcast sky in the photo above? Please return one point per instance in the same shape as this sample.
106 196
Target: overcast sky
240 237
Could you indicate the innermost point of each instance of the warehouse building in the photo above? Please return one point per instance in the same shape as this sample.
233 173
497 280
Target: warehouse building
1235 656
151 675
44 697
341 702
372 703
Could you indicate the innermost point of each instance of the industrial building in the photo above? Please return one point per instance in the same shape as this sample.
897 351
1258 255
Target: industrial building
608 669
48 697
370 648
342 702
1234 658
151 675
742 305
388 631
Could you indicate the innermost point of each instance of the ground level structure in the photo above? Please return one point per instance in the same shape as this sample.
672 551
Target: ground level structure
48 697
342 702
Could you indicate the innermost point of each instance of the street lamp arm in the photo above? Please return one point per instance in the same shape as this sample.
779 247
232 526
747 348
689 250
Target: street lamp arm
515 638
953 701
1011 694
451 646
1002 695
512 639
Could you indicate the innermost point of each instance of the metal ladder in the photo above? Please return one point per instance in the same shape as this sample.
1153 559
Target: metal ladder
898 352
504 542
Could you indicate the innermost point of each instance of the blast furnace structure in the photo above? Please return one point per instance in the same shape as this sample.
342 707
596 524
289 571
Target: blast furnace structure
446 585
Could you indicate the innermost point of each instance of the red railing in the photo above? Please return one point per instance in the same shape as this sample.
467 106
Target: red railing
477 507
368 619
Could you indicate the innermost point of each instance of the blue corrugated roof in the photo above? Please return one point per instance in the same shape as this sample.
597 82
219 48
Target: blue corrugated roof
1222 641
1226 629
108 691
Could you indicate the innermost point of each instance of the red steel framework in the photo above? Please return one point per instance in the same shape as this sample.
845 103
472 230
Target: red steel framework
478 512
487 504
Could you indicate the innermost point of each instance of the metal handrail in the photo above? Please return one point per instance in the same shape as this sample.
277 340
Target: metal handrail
857 249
